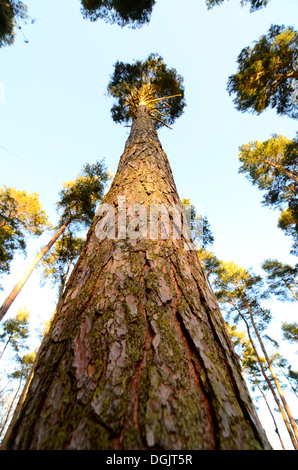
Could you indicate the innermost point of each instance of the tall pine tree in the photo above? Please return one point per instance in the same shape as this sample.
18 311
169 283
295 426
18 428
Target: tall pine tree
138 355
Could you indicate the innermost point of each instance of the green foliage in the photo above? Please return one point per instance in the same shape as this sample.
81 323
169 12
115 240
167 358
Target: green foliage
210 263
282 279
11 12
293 376
254 4
21 214
266 72
15 331
272 166
146 82
79 198
290 332
245 352
59 263
199 226
240 292
24 368
134 13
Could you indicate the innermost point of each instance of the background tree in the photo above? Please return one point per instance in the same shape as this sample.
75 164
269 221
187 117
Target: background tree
282 279
290 331
24 365
202 235
77 204
14 335
12 12
252 370
59 263
254 4
21 214
15 331
266 72
272 166
137 355
123 12
242 291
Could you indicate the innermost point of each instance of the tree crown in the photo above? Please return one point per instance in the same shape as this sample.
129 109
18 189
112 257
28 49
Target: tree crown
11 11
15 330
148 83
266 72
20 214
123 12
282 279
79 197
272 166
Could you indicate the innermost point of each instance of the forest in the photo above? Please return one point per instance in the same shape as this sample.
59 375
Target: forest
149 225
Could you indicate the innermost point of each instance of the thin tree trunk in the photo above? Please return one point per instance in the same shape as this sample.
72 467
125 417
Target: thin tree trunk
290 289
22 397
294 390
274 376
18 287
10 407
138 355
272 416
282 411
64 279
6 344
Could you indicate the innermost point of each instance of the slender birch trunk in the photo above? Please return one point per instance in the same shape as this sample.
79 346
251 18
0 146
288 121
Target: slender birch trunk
18 287
138 355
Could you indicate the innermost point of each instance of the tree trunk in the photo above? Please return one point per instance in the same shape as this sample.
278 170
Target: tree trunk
11 407
6 344
18 287
138 355
270 386
276 381
272 416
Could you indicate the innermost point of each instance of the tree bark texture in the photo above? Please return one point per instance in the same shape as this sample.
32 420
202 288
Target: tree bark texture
138 355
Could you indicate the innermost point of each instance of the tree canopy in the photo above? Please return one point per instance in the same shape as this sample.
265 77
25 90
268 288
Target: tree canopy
266 72
290 332
272 166
11 12
15 331
60 261
79 197
282 279
147 82
254 4
123 12
21 214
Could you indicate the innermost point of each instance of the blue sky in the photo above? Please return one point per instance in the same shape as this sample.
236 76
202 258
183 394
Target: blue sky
56 116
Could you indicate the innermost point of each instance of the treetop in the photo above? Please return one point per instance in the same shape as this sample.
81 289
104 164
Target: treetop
151 83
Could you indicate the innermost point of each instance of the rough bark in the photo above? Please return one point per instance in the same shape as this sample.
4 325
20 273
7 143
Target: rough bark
138 356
